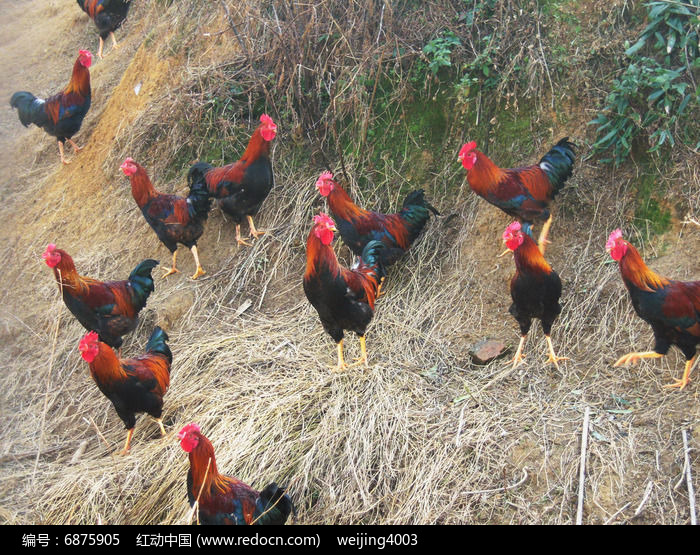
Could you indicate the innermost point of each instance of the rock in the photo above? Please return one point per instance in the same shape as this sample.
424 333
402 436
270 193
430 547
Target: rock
487 350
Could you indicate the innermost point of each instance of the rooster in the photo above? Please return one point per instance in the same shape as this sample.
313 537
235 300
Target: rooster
672 308
535 289
133 385
523 193
108 16
62 114
358 227
174 219
344 299
242 186
109 308
224 499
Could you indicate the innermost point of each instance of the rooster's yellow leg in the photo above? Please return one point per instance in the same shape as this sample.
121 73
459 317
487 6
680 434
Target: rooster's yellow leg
125 451
60 151
254 232
76 148
680 384
160 425
200 271
542 241
553 358
341 360
363 353
99 50
238 237
172 270
634 357
519 356
379 287
114 40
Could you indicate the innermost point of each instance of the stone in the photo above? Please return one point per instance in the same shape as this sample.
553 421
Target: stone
487 350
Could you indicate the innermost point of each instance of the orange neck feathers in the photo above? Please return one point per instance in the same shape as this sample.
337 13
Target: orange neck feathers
205 475
370 286
317 255
484 173
106 367
342 206
67 276
529 259
634 271
141 187
79 81
257 147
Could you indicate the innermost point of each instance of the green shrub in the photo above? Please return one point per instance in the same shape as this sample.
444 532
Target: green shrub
655 96
439 51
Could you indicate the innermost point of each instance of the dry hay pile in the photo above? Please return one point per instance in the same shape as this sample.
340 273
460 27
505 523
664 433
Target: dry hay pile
422 435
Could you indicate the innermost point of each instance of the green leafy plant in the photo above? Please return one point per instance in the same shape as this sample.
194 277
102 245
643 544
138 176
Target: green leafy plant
674 27
647 97
439 51
655 96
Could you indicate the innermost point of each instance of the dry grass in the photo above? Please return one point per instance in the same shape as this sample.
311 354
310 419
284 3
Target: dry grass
422 435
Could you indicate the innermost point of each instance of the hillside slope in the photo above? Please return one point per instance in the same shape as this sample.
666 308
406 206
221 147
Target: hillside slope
422 435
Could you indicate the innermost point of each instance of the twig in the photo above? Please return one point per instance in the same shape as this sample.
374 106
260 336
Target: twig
544 59
504 488
235 32
582 470
381 22
48 378
689 480
617 513
690 220
32 454
99 433
647 492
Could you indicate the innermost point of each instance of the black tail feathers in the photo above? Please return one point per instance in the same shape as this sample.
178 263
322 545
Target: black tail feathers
157 343
558 163
198 200
417 198
274 506
142 282
29 108
197 173
372 257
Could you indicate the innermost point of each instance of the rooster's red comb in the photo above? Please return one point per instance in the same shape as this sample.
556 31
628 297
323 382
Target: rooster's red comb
324 220
511 230
325 176
191 427
612 240
89 339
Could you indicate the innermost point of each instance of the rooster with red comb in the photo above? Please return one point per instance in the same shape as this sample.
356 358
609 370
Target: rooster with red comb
524 193
242 186
672 308
110 308
62 114
358 226
344 298
133 385
535 289
174 219
224 499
